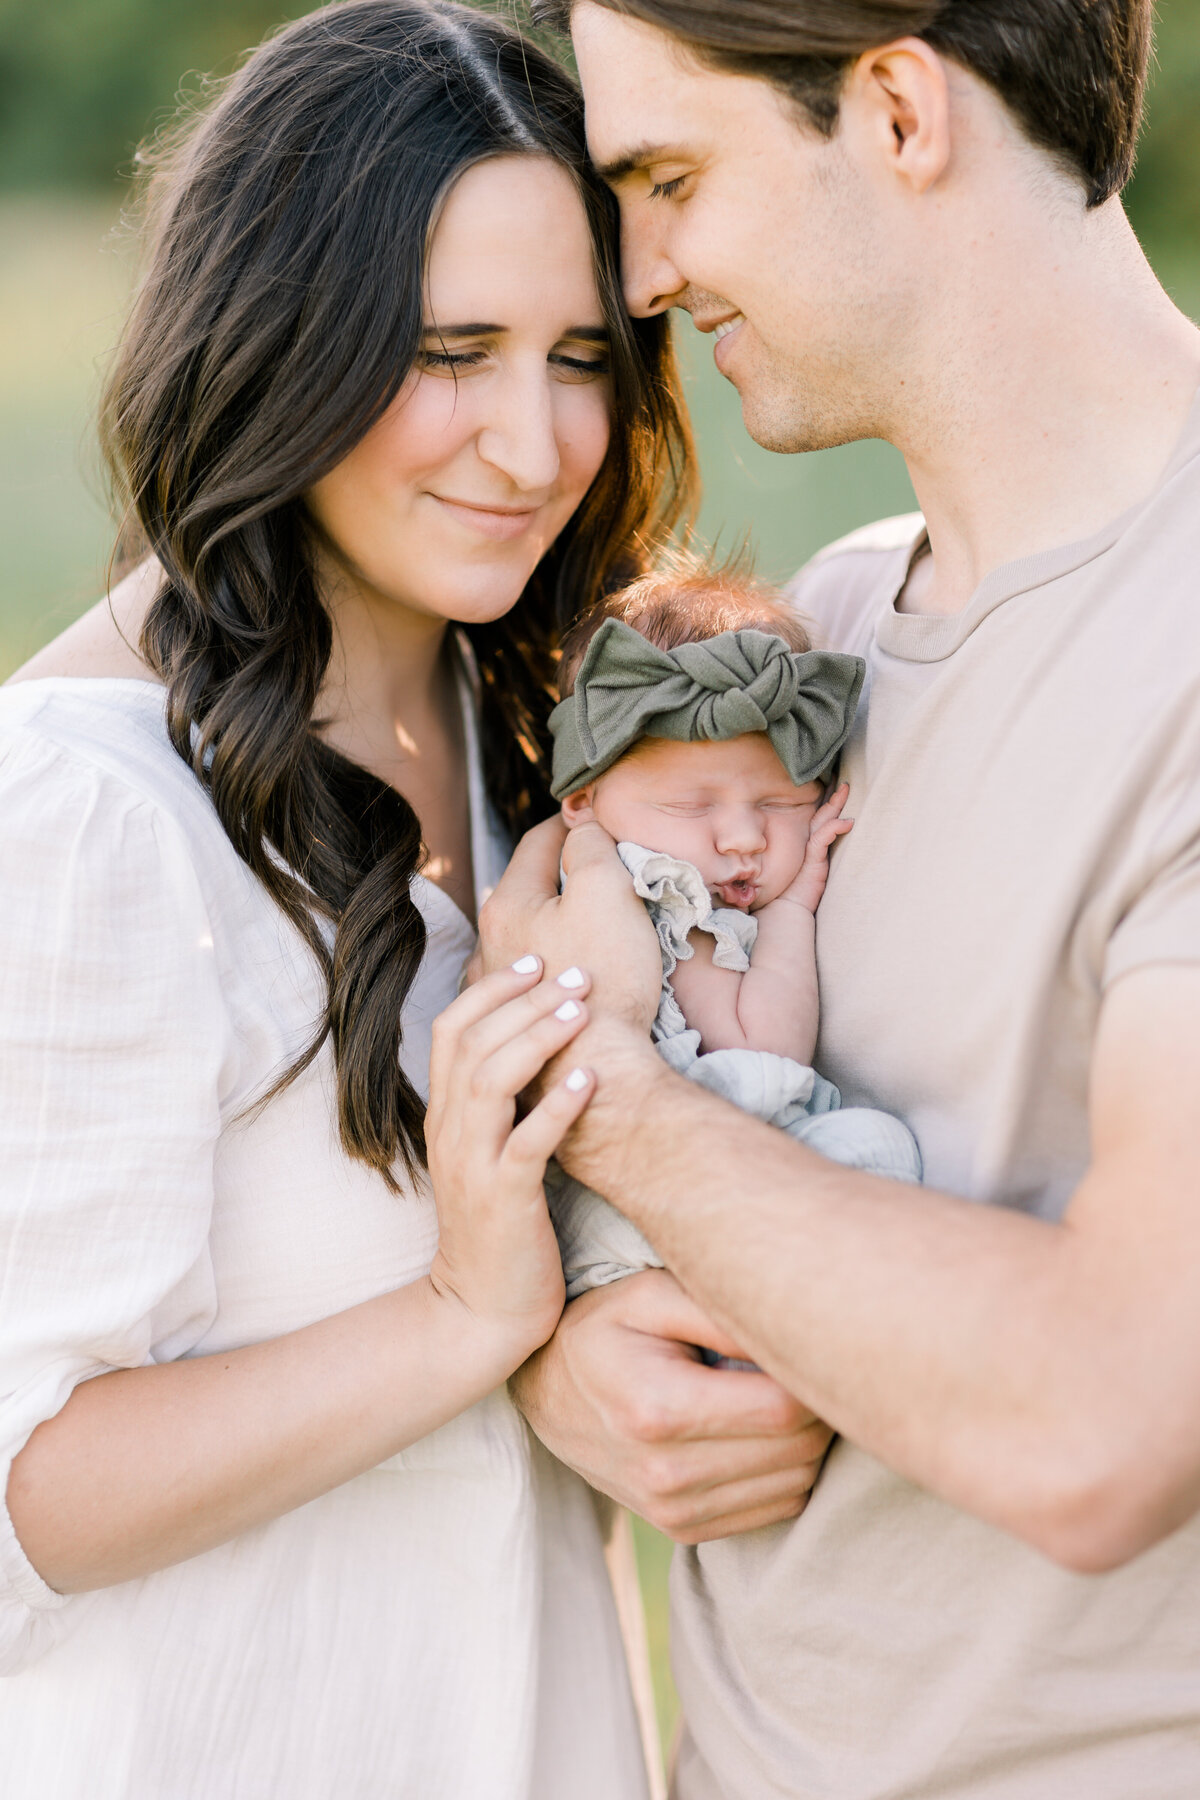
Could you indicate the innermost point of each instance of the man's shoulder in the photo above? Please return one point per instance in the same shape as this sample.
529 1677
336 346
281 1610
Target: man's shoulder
841 590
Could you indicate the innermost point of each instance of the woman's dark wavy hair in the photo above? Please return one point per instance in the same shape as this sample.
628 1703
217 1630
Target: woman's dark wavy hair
280 312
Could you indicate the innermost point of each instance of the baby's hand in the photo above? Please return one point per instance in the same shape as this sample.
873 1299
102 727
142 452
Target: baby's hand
827 826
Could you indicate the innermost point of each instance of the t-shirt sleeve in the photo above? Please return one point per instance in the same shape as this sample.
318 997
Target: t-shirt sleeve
1159 919
842 590
1163 925
112 1040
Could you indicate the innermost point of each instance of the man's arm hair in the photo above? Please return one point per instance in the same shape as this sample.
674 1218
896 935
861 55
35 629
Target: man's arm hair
1042 1376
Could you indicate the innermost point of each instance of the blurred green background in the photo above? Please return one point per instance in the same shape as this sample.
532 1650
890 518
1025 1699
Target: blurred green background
81 81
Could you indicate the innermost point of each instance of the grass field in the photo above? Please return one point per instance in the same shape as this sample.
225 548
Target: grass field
64 274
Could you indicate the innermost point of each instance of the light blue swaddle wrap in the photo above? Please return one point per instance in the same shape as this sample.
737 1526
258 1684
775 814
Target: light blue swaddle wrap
598 1243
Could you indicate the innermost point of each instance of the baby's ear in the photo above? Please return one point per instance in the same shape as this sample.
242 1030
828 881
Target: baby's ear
577 808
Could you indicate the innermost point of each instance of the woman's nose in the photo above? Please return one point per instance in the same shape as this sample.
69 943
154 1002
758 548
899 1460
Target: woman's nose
739 832
521 436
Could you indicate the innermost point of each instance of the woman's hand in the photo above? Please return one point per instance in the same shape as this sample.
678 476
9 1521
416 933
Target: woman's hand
497 1256
597 919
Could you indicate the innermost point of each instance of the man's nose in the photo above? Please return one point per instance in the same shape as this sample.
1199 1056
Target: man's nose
649 278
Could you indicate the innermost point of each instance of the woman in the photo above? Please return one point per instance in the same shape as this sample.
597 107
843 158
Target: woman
274 1528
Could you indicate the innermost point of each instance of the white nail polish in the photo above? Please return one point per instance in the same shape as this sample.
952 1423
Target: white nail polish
525 965
568 1010
576 1080
571 978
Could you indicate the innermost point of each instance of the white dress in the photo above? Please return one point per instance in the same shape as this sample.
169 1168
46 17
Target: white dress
440 1628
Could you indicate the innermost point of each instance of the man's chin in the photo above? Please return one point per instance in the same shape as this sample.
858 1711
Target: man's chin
773 419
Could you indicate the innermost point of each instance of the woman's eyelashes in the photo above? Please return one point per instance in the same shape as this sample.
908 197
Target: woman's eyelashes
575 366
451 359
585 368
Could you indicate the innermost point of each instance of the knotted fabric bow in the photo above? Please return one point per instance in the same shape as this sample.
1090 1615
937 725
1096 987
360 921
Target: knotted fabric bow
720 688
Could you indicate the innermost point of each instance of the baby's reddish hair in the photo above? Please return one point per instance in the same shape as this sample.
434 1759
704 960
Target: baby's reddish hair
684 605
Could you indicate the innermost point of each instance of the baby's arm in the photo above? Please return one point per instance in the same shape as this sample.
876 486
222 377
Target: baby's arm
774 1005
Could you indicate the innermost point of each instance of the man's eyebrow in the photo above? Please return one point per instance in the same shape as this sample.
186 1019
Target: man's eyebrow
640 157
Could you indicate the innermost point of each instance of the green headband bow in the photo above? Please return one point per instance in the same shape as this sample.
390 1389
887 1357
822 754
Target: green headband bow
721 687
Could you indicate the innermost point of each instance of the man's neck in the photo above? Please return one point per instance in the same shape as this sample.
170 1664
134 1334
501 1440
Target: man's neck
1051 404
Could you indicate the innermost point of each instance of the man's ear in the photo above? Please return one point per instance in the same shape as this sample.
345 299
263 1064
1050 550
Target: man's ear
577 808
902 93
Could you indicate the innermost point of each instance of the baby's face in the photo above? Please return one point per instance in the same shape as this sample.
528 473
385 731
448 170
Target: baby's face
729 808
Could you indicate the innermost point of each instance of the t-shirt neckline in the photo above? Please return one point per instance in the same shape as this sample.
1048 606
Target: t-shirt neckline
931 637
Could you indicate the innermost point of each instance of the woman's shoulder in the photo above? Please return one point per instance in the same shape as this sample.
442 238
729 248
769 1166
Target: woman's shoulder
107 732
89 779
103 642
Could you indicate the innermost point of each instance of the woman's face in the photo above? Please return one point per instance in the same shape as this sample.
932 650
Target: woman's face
451 499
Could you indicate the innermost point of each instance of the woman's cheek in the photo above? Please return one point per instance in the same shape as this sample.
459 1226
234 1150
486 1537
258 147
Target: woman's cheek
586 434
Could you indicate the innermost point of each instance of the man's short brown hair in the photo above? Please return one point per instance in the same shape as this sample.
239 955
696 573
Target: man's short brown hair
1072 72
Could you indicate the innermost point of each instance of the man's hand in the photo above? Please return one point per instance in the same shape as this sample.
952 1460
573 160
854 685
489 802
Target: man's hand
598 923
620 1395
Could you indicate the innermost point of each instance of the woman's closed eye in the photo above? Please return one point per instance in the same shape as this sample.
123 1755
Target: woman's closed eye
451 359
666 190
573 367
579 368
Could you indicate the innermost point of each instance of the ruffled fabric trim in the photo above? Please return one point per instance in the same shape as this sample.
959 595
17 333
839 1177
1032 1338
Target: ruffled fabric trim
678 901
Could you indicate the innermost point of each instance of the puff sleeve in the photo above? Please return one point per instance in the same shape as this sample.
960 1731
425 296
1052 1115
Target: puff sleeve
112 1041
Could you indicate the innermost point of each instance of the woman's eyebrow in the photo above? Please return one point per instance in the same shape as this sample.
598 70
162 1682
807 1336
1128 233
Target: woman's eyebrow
460 331
592 334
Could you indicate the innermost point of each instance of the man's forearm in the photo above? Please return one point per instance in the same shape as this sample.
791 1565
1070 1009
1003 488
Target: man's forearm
956 1342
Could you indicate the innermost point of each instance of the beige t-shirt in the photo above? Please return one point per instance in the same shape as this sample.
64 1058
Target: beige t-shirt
1025 780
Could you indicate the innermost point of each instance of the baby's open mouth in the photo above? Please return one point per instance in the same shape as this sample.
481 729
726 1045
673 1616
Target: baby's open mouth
740 893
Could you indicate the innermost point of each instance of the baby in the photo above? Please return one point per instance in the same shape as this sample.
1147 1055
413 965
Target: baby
698 727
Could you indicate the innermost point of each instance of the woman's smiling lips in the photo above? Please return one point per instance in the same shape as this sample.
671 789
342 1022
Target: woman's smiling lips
500 522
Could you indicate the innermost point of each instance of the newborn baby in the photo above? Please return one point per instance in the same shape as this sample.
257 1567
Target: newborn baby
698 727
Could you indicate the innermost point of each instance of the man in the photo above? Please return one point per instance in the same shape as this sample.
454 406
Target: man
900 219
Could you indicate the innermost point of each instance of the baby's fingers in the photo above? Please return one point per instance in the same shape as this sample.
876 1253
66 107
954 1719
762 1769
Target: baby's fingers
831 829
533 1142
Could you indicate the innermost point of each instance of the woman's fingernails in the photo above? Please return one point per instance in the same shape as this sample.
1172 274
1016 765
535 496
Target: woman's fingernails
568 1010
577 1079
571 978
525 965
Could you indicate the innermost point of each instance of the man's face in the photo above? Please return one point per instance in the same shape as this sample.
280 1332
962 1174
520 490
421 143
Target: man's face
775 239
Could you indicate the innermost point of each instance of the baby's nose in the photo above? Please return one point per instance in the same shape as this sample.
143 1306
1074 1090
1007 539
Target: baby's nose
740 832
